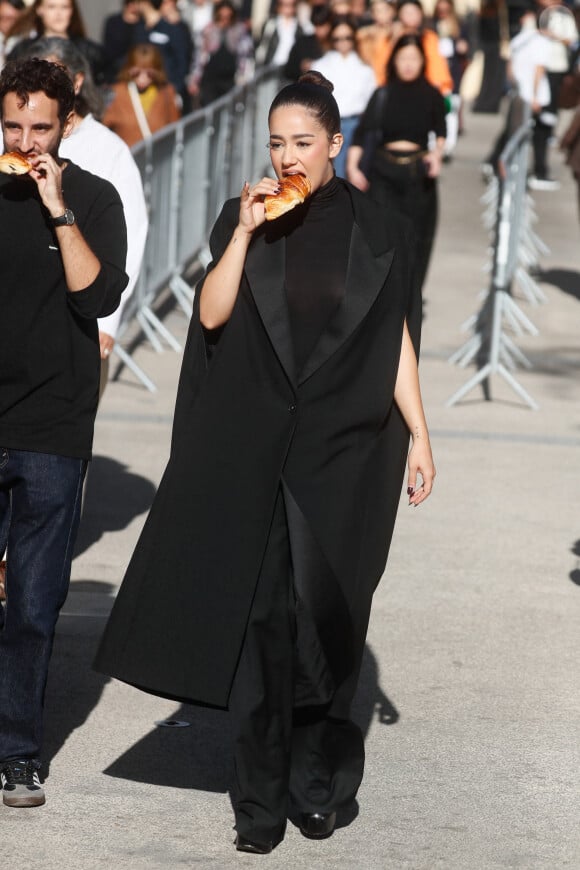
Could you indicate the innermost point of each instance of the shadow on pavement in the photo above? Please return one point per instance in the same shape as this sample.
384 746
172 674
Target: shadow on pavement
199 756
192 757
565 279
74 689
113 497
575 574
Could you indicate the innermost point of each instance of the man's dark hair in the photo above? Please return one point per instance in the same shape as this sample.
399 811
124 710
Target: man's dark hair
155 3
29 76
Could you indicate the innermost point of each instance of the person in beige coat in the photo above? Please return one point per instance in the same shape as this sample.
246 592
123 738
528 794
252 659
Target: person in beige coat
142 101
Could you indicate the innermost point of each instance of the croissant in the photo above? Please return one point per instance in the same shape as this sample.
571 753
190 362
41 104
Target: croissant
13 163
293 191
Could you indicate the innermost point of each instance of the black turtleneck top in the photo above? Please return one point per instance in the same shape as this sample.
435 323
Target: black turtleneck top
411 110
317 249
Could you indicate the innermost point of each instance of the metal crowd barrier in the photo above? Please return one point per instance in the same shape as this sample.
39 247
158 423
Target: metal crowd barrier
189 169
514 253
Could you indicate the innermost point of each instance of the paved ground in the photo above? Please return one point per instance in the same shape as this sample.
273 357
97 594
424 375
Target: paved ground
470 687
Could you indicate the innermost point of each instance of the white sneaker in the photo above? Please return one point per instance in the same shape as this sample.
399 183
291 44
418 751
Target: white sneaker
543 183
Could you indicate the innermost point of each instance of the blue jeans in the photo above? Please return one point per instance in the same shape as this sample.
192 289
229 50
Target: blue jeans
347 128
40 500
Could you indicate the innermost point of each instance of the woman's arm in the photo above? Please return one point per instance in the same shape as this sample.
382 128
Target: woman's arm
434 158
220 288
408 399
353 173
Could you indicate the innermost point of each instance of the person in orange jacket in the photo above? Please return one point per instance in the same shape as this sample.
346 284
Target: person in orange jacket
411 19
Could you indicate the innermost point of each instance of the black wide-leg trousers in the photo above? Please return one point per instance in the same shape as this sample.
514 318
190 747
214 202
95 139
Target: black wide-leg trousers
286 759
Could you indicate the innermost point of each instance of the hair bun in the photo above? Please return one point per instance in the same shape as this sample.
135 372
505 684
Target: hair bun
315 78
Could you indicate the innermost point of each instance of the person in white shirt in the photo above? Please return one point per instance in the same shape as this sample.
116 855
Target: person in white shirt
197 14
529 58
354 81
278 35
94 147
530 54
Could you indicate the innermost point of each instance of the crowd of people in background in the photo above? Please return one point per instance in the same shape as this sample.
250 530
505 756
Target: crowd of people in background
160 59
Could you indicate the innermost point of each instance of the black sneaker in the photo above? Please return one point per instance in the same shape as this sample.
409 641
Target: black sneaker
20 784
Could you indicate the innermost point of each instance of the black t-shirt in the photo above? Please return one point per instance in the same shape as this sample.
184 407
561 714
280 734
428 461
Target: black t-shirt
49 345
410 110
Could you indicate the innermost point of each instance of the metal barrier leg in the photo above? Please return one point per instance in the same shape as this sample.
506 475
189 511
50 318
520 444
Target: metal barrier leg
529 287
514 351
517 387
515 313
499 349
183 293
149 333
127 360
161 329
467 353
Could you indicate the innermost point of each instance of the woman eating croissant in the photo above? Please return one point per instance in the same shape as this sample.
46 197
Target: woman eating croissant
271 528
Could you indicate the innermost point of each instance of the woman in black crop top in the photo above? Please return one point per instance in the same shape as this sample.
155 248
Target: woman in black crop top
402 171
298 394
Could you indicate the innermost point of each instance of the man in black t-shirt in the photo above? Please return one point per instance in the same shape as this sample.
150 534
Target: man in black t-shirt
62 258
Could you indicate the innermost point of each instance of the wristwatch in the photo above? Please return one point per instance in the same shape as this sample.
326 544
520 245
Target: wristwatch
64 220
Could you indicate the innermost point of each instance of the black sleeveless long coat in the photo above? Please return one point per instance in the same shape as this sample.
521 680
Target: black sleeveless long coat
245 423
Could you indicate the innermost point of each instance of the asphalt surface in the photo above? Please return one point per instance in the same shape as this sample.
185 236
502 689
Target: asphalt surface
469 695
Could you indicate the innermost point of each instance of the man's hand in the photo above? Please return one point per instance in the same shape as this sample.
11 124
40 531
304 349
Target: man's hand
47 174
106 343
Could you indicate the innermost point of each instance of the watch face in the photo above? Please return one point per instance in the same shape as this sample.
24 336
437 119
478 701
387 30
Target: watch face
64 220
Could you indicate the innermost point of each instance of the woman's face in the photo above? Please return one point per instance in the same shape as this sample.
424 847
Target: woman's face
299 145
56 16
383 13
142 76
342 39
410 16
8 17
224 17
408 63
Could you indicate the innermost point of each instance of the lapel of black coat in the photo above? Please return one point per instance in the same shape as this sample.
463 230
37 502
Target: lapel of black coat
265 269
369 262
365 276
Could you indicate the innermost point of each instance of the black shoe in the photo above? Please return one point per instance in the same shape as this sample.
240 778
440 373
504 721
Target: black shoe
244 845
317 826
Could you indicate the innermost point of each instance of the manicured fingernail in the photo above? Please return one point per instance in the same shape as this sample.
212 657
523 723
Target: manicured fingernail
410 490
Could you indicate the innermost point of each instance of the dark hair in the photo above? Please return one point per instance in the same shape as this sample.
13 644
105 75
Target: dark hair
31 20
314 93
89 98
321 14
31 75
403 42
19 5
155 3
224 4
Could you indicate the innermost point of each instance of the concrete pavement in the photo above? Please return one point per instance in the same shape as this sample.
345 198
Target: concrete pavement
470 690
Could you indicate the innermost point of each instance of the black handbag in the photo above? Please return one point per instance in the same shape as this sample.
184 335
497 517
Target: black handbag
373 138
